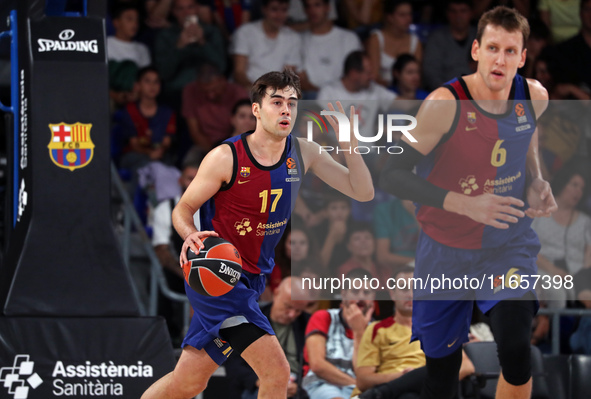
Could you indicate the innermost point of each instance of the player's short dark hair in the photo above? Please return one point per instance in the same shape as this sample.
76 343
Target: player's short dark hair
276 81
121 8
507 18
265 3
143 71
575 166
240 103
391 6
354 62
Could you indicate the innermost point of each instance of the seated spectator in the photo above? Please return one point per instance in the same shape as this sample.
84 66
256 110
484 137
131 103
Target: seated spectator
574 55
561 16
125 55
386 352
324 47
566 235
357 88
167 245
144 129
393 39
289 321
397 233
446 48
207 106
242 119
361 245
230 15
157 12
362 15
183 47
331 234
297 18
332 339
266 45
406 78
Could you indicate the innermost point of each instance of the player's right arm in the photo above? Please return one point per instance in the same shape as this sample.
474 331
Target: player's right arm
434 120
214 171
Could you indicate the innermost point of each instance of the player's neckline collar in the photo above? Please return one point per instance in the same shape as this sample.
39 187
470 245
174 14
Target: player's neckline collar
253 159
485 112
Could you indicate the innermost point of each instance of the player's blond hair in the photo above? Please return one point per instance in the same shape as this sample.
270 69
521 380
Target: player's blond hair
507 18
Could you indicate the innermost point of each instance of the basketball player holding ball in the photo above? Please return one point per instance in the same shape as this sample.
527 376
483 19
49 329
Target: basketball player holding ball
470 226
245 189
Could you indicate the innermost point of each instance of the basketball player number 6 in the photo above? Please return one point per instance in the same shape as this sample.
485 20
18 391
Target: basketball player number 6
499 155
265 196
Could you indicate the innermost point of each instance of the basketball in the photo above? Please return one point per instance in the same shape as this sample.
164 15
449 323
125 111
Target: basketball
215 270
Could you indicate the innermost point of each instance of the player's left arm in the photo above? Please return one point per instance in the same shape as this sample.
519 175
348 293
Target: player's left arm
355 179
539 194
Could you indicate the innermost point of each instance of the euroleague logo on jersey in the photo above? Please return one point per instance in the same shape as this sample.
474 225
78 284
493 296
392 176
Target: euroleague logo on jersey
292 170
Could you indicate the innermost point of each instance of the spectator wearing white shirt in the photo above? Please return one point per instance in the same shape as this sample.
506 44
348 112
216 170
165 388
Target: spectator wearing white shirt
357 88
266 45
324 47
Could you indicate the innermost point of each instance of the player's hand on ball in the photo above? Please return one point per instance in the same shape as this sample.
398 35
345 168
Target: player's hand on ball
493 210
194 241
540 199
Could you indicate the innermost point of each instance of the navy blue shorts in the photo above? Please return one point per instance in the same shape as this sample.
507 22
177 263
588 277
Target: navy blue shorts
441 317
238 306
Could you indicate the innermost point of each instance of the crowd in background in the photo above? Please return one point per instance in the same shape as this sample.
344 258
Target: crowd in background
180 73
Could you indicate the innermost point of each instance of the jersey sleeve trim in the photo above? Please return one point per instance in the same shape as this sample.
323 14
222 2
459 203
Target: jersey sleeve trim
528 98
456 120
234 167
296 143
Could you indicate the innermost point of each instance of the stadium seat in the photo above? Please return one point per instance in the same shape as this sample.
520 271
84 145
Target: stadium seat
483 383
557 370
580 373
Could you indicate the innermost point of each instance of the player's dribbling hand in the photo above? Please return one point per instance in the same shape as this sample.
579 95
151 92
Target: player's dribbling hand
194 241
540 199
493 210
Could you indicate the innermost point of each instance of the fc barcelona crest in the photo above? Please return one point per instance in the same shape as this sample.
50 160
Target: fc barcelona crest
70 146
245 171
472 117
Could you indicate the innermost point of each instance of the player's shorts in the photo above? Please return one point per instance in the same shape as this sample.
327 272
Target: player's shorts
441 318
238 306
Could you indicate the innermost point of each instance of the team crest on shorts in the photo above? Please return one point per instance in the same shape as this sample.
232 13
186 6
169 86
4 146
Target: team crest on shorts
245 171
472 117
70 146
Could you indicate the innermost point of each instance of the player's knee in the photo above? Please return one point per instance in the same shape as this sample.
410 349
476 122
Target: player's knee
278 375
515 360
188 388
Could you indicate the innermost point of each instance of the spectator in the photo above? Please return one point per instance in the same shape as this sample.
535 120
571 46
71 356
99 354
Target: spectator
357 88
574 54
393 39
230 15
446 49
242 119
144 129
406 78
207 106
561 16
397 233
332 232
538 40
566 235
361 244
183 47
297 18
386 352
167 245
324 47
267 45
332 339
362 15
125 55
523 6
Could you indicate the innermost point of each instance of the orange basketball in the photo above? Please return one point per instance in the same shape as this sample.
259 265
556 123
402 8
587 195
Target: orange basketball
215 270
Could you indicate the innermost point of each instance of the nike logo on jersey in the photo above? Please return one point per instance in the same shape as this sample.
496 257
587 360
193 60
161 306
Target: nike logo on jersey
452 344
468 128
243 181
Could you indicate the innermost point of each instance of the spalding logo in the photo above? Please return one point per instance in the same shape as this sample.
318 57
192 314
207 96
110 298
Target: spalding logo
225 269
